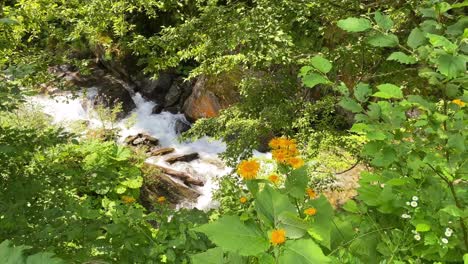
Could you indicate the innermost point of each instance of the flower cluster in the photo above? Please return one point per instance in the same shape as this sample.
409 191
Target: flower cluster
459 102
285 151
248 169
128 199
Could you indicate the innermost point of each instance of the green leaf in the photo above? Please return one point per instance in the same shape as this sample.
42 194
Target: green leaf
451 66
270 203
321 64
422 227
416 38
350 105
322 225
388 91
231 234
383 21
452 210
456 141
8 21
211 256
302 251
266 259
312 79
362 92
402 58
134 183
351 206
353 24
441 41
294 226
383 40
296 183
43 258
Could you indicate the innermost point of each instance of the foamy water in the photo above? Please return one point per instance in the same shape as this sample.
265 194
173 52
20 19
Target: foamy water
66 109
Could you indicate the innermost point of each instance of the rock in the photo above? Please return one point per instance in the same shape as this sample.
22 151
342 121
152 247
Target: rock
155 90
181 126
141 139
184 158
183 176
161 151
173 109
157 109
173 95
212 94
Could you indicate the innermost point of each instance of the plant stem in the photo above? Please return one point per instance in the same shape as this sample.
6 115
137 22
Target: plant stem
459 205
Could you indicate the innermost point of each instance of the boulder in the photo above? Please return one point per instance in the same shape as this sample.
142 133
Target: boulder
212 94
155 89
183 158
181 126
157 109
141 139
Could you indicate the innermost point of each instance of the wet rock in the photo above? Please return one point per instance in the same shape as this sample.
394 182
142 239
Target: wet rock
181 126
210 95
173 109
155 90
161 151
157 109
173 95
141 139
183 158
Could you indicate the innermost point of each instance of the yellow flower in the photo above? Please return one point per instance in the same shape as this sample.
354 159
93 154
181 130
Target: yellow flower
248 169
459 102
128 199
161 199
243 200
275 143
274 178
310 211
280 155
296 162
278 236
310 193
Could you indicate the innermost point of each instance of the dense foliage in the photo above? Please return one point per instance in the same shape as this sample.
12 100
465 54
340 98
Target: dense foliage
382 84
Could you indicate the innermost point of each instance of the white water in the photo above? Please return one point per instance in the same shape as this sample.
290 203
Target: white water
65 109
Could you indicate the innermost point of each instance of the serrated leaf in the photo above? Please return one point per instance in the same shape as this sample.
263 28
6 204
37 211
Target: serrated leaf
441 41
312 79
350 105
322 225
302 251
134 183
321 64
296 183
383 40
451 66
294 226
231 234
362 92
353 24
416 38
422 227
389 91
383 21
402 58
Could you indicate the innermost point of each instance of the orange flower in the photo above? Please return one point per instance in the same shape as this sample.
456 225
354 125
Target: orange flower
128 199
310 211
296 162
275 143
243 200
161 199
280 155
311 193
459 102
278 236
248 169
274 178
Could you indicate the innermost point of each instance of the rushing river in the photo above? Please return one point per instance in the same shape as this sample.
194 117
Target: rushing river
66 109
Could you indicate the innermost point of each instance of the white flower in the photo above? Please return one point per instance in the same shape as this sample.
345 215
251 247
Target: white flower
417 237
448 232
414 232
407 203
444 240
415 198
405 216
414 204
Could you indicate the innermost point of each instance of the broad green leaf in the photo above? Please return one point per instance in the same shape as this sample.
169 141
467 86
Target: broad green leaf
353 24
383 40
266 259
322 220
443 7
458 28
321 64
456 141
402 58
270 203
383 21
389 91
452 210
465 258
312 79
120 189
304 70
441 41
362 92
451 66
296 183
350 105
8 21
416 38
231 234
302 251
43 258
211 256
294 226
342 89
422 227
134 183
351 206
